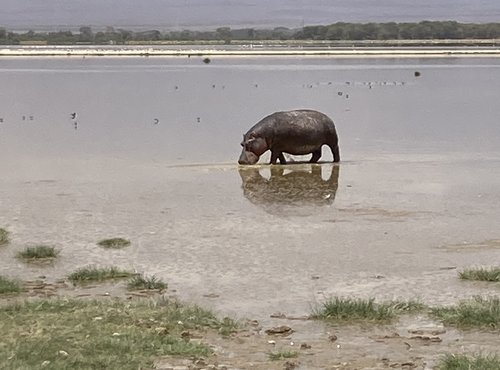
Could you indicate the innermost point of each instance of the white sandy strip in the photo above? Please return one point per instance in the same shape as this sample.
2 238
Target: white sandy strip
148 51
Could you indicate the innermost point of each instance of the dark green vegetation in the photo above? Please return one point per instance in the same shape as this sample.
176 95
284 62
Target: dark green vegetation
92 334
282 355
464 362
9 286
352 310
93 273
4 237
38 252
425 30
114 243
144 282
478 312
482 274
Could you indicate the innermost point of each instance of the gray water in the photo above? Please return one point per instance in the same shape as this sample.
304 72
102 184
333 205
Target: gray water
151 156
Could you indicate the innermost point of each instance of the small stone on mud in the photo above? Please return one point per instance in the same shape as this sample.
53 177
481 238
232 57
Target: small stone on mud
63 353
280 330
315 277
200 362
430 338
211 295
278 315
273 342
332 337
45 363
409 364
305 346
289 365
431 330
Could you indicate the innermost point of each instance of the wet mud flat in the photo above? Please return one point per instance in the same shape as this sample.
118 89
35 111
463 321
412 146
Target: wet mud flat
272 243
413 201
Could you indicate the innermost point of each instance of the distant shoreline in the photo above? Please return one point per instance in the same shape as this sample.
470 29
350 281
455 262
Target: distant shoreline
245 51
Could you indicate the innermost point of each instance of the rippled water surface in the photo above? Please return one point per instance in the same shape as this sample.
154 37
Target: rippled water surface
146 148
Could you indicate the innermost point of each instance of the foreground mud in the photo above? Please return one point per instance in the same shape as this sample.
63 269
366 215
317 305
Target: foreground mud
412 342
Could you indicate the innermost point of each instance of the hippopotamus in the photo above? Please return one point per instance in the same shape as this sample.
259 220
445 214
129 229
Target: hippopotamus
295 132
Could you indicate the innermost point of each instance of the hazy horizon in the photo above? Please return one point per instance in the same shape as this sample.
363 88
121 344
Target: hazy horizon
202 14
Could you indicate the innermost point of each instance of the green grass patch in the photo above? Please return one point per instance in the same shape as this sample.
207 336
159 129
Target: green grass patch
478 312
114 243
481 273
349 310
9 286
411 306
465 362
4 237
94 273
93 334
143 282
38 252
282 355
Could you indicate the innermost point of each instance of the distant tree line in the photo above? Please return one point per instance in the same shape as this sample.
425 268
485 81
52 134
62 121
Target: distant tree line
338 31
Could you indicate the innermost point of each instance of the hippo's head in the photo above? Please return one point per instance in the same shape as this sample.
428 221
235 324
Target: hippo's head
253 147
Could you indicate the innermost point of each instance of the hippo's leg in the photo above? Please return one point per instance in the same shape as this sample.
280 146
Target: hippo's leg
316 155
335 152
277 155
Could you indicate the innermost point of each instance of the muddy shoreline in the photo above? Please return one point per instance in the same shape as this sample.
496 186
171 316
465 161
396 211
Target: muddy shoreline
414 341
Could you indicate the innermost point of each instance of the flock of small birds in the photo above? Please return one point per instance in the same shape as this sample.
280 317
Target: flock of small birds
340 93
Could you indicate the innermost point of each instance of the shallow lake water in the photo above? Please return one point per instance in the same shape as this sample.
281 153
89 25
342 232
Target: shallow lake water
146 149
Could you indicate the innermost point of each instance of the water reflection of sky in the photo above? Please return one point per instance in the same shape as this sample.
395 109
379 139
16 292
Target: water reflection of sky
181 110
419 172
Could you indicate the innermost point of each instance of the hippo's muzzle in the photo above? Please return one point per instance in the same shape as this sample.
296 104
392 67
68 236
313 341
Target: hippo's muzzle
248 157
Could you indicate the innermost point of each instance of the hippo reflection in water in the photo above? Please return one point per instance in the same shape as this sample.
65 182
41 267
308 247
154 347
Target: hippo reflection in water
295 132
296 190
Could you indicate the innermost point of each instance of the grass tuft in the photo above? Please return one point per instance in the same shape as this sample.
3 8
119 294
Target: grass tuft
348 309
142 282
482 274
93 273
411 306
282 355
4 237
97 334
114 243
478 312
9 286
38 252
465 362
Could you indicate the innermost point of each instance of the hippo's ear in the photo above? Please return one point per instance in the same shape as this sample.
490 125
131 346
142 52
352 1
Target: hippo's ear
257 145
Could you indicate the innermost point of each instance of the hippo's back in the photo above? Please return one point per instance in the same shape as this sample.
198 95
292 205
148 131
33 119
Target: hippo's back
302 121
301 131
